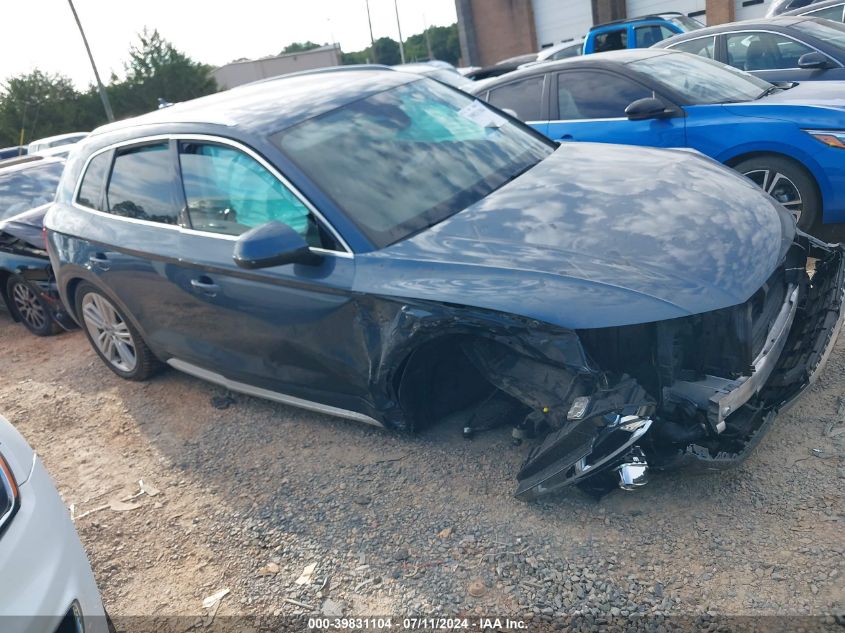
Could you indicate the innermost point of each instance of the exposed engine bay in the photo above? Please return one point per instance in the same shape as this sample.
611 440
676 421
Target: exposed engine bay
694 390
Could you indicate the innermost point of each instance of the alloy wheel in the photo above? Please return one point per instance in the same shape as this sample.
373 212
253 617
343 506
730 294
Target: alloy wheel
780 187
109 332
29 307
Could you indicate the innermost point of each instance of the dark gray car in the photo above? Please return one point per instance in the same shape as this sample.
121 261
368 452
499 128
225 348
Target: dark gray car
787 48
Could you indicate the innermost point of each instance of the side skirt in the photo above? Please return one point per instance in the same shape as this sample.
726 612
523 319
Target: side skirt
240 387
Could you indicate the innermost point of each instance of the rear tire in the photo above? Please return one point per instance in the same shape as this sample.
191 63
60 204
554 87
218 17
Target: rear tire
112 336
28 306
789 183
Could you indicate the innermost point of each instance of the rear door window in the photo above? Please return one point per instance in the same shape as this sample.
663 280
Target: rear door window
702 46
834 13
524 97
611 40
142 185
584 94
651 34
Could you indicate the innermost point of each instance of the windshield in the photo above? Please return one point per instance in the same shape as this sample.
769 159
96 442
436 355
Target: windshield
687 24
831 33
700 80
404 159
25 189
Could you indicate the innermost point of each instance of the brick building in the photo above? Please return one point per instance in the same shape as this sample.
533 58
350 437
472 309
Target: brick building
492 30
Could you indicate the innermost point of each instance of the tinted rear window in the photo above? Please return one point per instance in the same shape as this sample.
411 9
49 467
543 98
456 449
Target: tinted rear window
22 190
142 185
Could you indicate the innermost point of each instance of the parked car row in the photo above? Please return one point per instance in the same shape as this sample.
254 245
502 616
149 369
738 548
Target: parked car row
788 48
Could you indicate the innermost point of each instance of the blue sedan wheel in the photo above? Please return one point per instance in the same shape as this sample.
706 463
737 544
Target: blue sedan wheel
787 183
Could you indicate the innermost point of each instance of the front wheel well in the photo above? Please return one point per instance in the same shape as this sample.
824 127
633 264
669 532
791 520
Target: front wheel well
437 380
70 293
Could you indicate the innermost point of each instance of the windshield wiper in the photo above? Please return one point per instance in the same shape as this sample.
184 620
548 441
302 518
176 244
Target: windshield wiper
767 92
516 175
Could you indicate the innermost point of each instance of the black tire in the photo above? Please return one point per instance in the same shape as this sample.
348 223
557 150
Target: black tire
777 175
28 306
116 337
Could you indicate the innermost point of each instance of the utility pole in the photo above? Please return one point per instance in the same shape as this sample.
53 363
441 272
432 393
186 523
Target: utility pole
427 38
399 28
372 39
103 96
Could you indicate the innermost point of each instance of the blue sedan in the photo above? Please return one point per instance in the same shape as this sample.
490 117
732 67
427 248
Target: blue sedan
788 138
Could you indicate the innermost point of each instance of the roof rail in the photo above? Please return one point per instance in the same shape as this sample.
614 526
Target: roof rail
650 16
317 71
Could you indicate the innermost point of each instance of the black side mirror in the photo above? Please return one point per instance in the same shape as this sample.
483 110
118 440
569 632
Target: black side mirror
648 108
272 244
814 60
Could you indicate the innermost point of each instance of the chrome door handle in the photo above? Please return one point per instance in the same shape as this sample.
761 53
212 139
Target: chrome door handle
205 286
98 260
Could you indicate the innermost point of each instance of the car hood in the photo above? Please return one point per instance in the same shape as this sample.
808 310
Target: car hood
818 103
27 226
595 236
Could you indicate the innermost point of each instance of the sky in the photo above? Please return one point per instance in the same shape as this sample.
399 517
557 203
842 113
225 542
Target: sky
42 34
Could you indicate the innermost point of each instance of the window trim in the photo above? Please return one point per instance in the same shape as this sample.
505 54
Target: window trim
210 138
726 34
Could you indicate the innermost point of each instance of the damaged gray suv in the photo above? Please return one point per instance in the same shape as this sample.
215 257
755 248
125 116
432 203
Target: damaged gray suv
382 247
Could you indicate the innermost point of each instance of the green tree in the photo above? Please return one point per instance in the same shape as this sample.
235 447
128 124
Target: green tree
445 44
156 69
386 51
40 104
299 47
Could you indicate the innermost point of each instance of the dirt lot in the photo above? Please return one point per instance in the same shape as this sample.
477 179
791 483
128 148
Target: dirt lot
245 498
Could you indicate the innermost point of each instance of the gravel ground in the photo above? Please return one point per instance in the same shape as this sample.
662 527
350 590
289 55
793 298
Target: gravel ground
248 498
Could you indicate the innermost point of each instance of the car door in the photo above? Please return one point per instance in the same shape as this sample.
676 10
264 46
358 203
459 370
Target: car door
770 56
289 329
589 105
133 235
527 99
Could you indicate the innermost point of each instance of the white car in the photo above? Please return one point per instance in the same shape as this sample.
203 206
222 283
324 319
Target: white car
46 582
53 145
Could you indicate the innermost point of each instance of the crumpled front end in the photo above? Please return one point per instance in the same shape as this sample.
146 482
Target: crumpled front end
701 389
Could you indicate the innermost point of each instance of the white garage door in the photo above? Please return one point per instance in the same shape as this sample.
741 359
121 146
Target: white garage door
646 7
561 20
749 10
